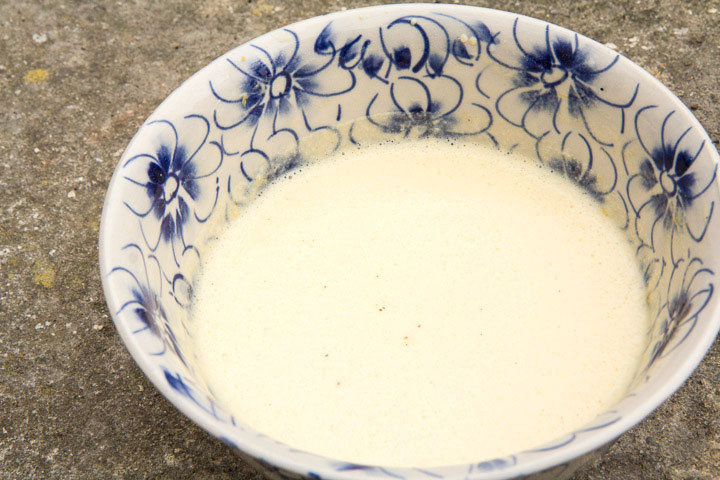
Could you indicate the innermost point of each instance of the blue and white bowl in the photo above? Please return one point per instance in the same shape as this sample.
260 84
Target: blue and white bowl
409 71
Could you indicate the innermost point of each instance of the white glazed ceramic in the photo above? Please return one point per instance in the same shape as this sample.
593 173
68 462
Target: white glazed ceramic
410 71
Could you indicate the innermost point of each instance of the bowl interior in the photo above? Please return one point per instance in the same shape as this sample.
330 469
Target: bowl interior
392 73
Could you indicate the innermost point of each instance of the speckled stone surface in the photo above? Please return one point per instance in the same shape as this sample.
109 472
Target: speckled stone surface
76 81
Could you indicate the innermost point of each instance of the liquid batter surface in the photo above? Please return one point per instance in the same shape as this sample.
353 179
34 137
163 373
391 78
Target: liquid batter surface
419 304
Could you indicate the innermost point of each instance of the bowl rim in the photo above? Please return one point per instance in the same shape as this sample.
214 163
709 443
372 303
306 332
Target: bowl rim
577 449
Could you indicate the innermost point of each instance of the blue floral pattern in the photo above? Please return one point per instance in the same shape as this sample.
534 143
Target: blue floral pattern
554 77
417 115
145 304
409 72
688 292
169 176
573 156
666 186
275 89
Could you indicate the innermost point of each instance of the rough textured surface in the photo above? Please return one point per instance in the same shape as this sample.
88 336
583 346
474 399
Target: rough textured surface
76 81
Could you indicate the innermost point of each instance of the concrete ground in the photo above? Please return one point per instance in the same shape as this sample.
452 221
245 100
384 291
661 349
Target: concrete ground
76 81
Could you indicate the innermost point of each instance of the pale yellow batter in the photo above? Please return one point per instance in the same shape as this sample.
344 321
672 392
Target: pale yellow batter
419 304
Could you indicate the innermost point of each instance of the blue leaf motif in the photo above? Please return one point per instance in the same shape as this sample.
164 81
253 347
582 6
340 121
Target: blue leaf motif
177 383
459 50
349 52
436 64
324 43
372 65
402 58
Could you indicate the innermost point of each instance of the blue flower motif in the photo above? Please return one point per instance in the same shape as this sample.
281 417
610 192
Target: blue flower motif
665 188
427 119
574 157
272 85
185 387
171 178
654 271
170 181
573 171
688 292
417 114
554 79
146 305
148 309
668 168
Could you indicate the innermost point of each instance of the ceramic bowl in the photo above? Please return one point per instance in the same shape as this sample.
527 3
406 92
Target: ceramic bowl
411 71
